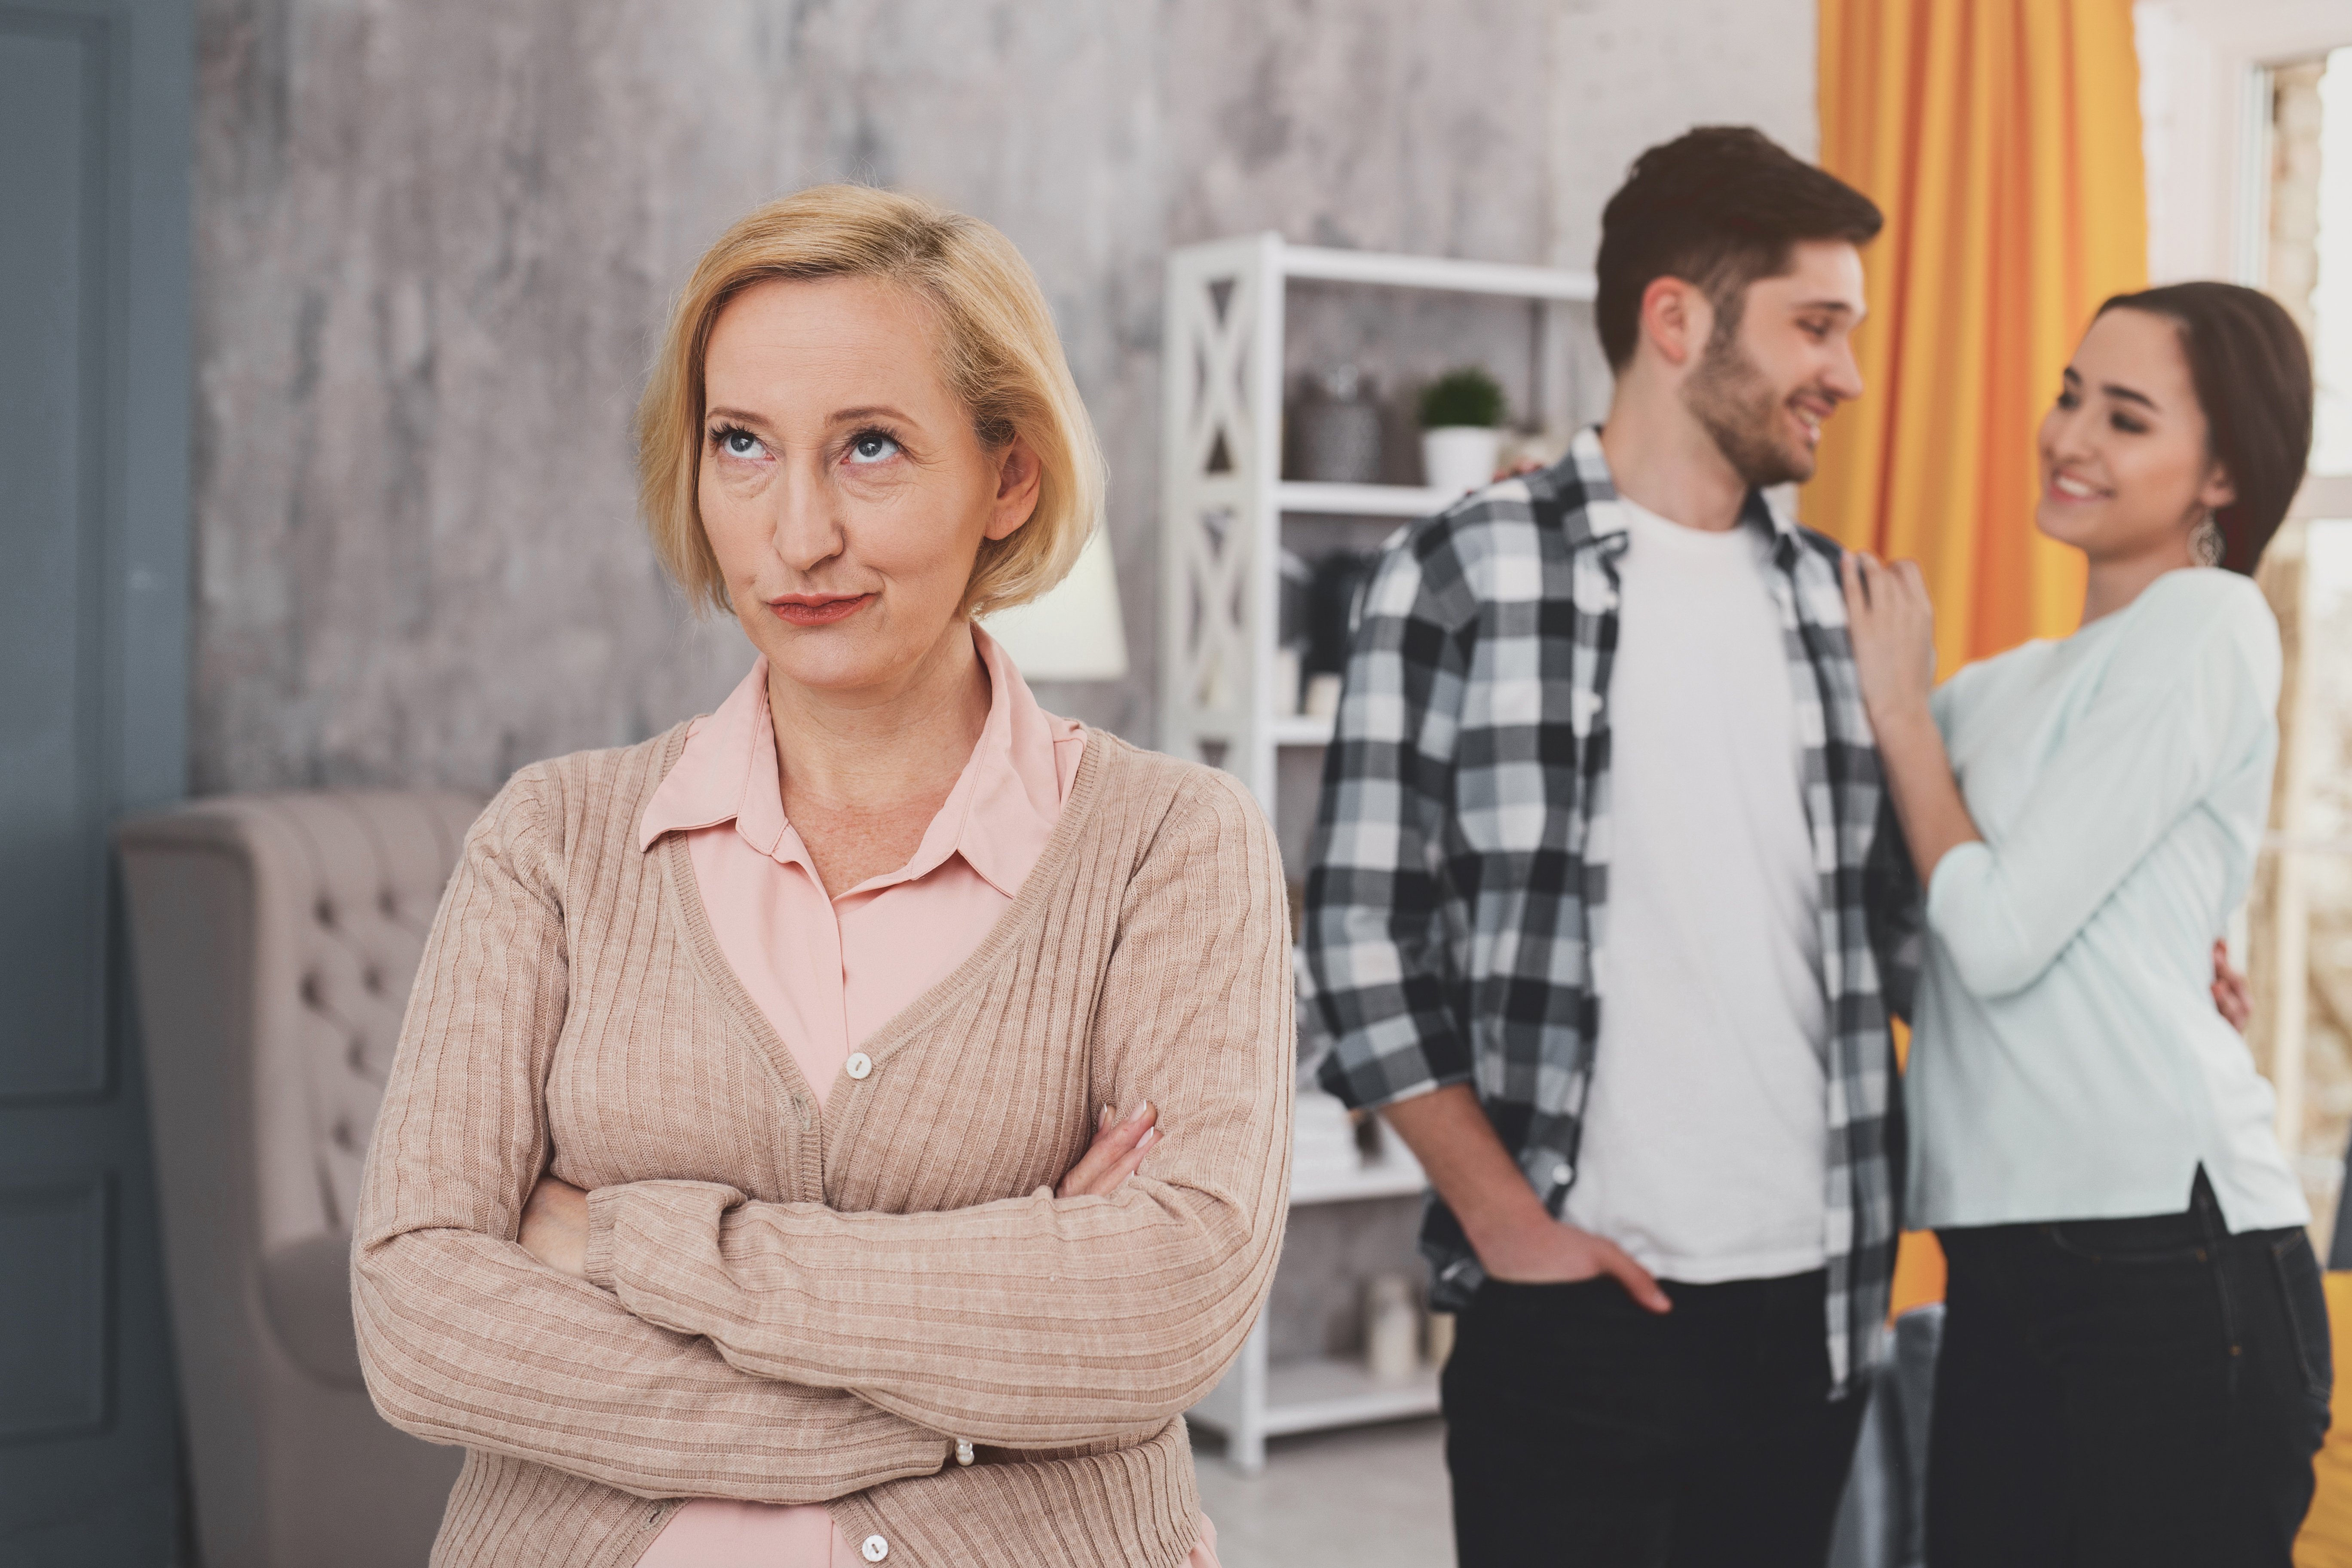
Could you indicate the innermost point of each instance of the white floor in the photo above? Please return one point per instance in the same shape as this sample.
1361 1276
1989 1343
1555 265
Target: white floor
1374 1497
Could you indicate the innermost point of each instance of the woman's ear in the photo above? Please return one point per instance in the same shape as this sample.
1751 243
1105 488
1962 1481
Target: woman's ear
2218 491
1019 477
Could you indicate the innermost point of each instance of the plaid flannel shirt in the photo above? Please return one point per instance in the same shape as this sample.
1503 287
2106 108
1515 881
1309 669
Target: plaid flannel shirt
1456 910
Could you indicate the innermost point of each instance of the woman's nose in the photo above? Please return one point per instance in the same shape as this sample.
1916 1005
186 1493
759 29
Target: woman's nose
2066 434
808 530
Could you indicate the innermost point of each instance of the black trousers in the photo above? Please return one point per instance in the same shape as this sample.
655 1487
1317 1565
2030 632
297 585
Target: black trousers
2145 1392
1582 1429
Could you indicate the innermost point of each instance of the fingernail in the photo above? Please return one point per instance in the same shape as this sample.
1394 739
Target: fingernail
1104 1119
1151 1136
1140 1107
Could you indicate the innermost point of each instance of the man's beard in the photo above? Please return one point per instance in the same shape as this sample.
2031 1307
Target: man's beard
1730 398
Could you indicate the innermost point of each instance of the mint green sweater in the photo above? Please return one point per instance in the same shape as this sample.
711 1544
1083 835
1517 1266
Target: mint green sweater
2068 1062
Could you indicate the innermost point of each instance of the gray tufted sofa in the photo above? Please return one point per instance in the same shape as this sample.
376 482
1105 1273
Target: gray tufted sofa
273 939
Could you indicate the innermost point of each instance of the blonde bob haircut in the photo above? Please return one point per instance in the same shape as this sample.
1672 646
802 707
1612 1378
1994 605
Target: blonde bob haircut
997 349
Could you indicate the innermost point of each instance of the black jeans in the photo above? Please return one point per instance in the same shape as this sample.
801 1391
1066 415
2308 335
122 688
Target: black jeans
2127 1391
1583 1429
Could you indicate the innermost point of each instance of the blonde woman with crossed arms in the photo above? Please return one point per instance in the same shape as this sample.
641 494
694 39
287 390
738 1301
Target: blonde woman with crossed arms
748 1188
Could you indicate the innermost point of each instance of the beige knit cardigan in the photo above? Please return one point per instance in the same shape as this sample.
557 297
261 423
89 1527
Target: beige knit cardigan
793 1305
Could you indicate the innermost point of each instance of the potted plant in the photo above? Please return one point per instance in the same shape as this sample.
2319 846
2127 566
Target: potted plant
1461 429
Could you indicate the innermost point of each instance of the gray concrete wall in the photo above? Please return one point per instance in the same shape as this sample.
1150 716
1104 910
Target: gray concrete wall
435 239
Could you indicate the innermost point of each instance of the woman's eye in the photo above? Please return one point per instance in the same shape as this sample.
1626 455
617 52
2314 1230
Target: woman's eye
873 447
2128 426
741 444
2067 400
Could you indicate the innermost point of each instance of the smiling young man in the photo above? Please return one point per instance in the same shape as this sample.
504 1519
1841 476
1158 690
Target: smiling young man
1586 911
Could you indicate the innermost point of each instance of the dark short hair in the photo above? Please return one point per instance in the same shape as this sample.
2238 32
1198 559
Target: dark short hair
2252 370
1718 207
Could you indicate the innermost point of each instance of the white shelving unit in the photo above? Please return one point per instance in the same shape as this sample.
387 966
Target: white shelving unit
1223 495
1299 730
1358 500
1222 505
1256 1400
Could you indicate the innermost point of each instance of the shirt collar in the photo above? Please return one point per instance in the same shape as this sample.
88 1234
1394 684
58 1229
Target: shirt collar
706 785
1003 809
1594 517
997 817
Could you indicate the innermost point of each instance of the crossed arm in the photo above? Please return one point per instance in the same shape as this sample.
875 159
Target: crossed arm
555 1217
464 1337
717 1346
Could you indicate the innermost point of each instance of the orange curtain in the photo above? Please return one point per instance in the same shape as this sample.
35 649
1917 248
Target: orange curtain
2003 140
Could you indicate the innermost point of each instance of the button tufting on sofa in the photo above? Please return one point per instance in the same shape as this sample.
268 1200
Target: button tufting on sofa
275 938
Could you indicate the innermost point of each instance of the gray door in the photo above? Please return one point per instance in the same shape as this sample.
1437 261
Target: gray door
94 246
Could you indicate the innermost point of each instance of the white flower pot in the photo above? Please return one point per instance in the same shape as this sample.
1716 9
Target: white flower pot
1459 457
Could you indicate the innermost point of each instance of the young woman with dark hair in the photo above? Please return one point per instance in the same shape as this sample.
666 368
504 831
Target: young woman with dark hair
2136 1364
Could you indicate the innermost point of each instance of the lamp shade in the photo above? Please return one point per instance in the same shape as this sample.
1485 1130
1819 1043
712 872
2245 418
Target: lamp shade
1073 633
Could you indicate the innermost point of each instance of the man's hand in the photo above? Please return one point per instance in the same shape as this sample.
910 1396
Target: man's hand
2231 996
555 1226
1115 1153
1515 1236
1555 1254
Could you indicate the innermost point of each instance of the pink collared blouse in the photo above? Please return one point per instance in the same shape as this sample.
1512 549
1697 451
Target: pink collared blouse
828 971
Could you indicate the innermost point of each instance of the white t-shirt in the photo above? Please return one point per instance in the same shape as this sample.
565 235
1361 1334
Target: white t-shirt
1704 1150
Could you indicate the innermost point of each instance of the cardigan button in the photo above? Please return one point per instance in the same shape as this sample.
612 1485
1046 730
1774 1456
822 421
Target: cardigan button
858 1065
875 1549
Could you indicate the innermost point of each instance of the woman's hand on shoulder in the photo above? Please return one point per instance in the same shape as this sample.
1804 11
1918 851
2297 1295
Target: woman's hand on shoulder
1116 1154
555 1226
1892 624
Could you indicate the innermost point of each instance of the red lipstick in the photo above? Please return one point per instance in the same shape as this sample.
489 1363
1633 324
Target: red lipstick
817 609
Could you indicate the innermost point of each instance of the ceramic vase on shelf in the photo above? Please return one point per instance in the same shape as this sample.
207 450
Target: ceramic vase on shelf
1456 458
1461 430
1392 1329
1335 431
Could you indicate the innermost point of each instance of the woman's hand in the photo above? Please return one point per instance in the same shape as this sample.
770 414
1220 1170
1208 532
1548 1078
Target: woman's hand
555 1226
555 1217
1893 628
2231 996
1115 1153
